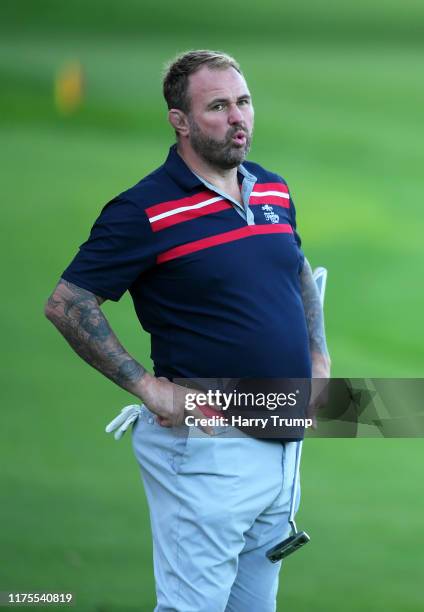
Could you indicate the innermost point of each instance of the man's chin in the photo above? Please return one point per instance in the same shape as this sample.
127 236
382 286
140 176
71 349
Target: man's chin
236 160
229 158
229 164
236 156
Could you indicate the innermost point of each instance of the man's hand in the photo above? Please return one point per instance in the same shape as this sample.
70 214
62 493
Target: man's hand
168 401
321 365
166 417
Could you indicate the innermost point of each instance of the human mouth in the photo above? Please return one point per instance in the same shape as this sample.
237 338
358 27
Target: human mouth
239 137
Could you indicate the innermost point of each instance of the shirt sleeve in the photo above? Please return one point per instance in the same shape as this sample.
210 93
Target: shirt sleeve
118 250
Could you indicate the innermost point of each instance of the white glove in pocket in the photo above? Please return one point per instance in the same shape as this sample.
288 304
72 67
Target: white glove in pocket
125 418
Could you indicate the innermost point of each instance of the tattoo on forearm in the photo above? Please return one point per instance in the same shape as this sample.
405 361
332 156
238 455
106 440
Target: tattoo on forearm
53 303
129 370
313 311
76 313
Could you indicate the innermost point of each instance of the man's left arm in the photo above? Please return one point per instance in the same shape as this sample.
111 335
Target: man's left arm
315 321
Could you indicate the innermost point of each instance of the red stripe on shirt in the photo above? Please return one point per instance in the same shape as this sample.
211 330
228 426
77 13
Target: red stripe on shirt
187 215
233 235
273 200
271 187
162 207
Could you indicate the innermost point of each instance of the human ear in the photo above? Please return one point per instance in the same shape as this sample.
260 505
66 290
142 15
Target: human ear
178 119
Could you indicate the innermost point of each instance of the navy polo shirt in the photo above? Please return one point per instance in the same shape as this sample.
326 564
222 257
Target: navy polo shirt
214 283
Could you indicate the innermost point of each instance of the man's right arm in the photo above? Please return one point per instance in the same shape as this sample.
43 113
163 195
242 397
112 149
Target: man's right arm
76 313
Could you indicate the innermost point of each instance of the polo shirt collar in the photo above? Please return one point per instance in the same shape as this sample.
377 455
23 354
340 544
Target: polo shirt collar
181 173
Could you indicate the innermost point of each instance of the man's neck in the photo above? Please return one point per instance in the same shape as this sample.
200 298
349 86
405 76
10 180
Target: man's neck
223 179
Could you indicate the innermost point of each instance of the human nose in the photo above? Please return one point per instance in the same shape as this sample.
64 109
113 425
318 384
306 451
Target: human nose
235 115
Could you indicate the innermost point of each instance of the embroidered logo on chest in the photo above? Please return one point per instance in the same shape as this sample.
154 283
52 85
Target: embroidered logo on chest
269 214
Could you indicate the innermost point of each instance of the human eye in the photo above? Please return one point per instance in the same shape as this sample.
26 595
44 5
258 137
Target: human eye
218 106
244 101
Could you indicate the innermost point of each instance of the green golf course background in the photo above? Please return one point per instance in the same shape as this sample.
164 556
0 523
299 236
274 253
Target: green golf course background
338 92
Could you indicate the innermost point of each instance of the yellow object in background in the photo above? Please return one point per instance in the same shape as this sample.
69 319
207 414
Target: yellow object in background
68 88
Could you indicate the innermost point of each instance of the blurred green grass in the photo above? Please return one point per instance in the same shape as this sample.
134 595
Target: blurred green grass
338 106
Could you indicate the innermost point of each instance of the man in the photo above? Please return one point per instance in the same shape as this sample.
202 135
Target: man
207 247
